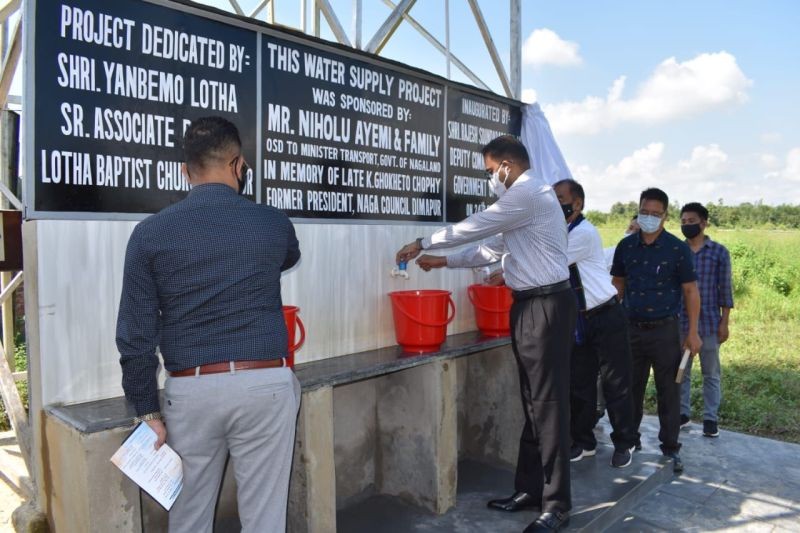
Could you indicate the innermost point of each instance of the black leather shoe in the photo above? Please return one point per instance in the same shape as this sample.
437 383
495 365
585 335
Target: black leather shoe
677 464
520 501
548 522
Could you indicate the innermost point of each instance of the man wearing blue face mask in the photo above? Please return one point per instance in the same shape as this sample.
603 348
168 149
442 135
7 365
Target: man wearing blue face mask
533 249
653 271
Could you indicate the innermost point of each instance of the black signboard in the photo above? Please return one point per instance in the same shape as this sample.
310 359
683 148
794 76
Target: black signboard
473 121
347 139
332 133
115 84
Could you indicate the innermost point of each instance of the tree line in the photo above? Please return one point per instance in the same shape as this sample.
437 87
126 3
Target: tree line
746 215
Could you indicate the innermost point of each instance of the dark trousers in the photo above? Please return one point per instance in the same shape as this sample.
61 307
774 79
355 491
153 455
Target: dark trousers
605 348
659 348
542 335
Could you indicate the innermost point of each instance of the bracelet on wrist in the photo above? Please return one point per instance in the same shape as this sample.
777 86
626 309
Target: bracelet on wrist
419 243
148 416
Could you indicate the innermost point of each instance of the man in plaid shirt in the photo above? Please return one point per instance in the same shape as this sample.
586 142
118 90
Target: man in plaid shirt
713 266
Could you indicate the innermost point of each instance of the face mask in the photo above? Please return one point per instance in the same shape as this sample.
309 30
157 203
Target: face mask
243 177
498 187
567 209
648 223
690 231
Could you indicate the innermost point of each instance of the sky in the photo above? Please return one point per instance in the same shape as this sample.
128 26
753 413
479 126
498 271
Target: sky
698 98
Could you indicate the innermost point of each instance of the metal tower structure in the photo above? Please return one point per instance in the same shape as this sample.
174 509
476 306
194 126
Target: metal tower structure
510 79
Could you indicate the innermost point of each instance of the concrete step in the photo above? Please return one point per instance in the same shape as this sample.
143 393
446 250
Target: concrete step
601 496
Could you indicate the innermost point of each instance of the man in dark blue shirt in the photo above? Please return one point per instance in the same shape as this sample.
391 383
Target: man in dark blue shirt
652 271
202 283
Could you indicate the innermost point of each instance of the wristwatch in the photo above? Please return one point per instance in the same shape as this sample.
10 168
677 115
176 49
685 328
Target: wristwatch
419 243
149 416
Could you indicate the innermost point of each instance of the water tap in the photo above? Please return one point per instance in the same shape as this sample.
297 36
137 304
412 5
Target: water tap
482 274
399 270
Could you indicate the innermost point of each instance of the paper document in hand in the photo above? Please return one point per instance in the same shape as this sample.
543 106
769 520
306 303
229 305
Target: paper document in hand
682 366
157 472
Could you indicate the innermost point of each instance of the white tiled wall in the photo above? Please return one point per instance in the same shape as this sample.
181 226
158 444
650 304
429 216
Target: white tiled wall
341 286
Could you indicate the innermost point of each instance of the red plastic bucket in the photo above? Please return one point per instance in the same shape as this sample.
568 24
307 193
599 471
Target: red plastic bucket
292 323
421 319
492 309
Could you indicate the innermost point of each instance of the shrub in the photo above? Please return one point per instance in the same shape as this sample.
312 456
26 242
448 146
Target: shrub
780 281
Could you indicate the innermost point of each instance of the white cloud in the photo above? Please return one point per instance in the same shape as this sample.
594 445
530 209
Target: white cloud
790 171
545 47
706 174
529 96
705 161
770 161
701 175
643 164
623 181
674 90
780 186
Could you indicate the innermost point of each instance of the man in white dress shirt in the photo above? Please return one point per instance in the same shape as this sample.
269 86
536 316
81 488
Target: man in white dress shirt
533 249
601 338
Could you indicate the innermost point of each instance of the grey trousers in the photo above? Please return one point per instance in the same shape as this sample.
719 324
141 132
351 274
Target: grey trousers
712 374
250 414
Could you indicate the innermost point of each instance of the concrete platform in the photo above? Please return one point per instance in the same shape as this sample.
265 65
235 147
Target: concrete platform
601 496
736 482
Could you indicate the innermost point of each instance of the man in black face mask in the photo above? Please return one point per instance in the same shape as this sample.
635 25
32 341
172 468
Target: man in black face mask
202 282
713 266
601 338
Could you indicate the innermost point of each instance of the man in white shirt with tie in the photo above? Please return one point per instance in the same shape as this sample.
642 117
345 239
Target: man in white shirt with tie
532 246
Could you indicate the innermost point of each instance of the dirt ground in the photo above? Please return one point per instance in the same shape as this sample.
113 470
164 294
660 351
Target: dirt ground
12 469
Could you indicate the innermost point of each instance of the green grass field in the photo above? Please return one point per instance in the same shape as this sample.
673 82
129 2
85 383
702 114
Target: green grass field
760 362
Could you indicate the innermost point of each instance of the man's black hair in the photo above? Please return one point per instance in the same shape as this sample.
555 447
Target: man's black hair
655 194
209 139
575 189
507 147
696 207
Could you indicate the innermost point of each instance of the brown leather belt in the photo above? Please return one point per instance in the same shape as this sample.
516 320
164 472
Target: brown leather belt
218 368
